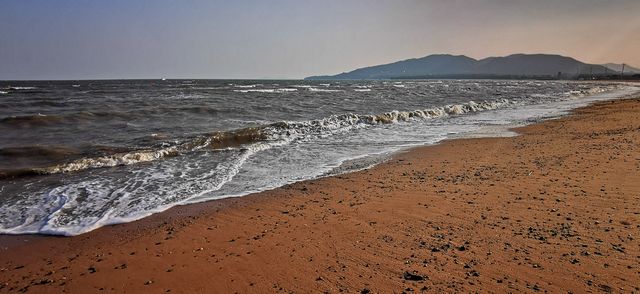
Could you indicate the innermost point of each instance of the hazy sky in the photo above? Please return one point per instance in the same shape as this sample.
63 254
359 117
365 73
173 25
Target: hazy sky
84 39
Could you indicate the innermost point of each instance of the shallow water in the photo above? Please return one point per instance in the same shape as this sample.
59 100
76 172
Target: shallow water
75 156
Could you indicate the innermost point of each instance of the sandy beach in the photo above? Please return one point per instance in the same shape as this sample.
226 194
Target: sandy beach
556 209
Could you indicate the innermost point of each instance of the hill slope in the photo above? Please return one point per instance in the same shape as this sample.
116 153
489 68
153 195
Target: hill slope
616 67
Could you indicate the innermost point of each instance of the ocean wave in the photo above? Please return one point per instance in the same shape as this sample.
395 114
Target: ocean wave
39 119
65 210
324 90
280 132
586 92
46 103
247 86
79 207
213 141
37 151
68 210
295 130
170 109
222 164
22 88
36 119
110 161
280 90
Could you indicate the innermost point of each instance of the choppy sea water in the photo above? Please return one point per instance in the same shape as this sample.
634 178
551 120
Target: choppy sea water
75 156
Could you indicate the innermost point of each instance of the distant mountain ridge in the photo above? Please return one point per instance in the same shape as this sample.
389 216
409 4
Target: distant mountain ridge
446 65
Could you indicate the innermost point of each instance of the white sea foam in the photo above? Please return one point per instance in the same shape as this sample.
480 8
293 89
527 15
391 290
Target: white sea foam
247 86
104 197
324 90
337 124
280 90
283 131
22 88
100 200
112 160
587 92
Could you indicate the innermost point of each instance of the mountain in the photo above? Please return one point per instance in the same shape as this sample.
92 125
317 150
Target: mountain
429 65
617 67
460 66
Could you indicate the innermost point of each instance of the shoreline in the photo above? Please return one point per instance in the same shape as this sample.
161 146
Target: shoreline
46 223
366 229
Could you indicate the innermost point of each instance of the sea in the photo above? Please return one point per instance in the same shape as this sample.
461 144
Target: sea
78 155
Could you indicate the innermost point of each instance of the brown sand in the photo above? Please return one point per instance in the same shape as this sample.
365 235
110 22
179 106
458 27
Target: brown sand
556 209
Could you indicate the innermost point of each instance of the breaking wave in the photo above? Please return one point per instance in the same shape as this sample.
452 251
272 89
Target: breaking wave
279 132
323 90
156 166
281 90
21 88
37 119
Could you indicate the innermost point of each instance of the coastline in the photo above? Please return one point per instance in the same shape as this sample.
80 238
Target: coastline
552 209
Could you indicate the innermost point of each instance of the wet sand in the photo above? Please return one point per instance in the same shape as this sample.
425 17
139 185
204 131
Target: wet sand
556 209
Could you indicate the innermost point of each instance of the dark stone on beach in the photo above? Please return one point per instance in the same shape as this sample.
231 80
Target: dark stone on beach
365 291
44 282
122 266
606 288
618 247
413 277
92 270
536 287
149 282
474 273
462 248
574 261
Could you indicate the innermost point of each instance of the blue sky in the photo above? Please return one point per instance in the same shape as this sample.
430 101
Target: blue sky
84 39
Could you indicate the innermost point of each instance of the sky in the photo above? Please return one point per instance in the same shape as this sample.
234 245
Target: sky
289 39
